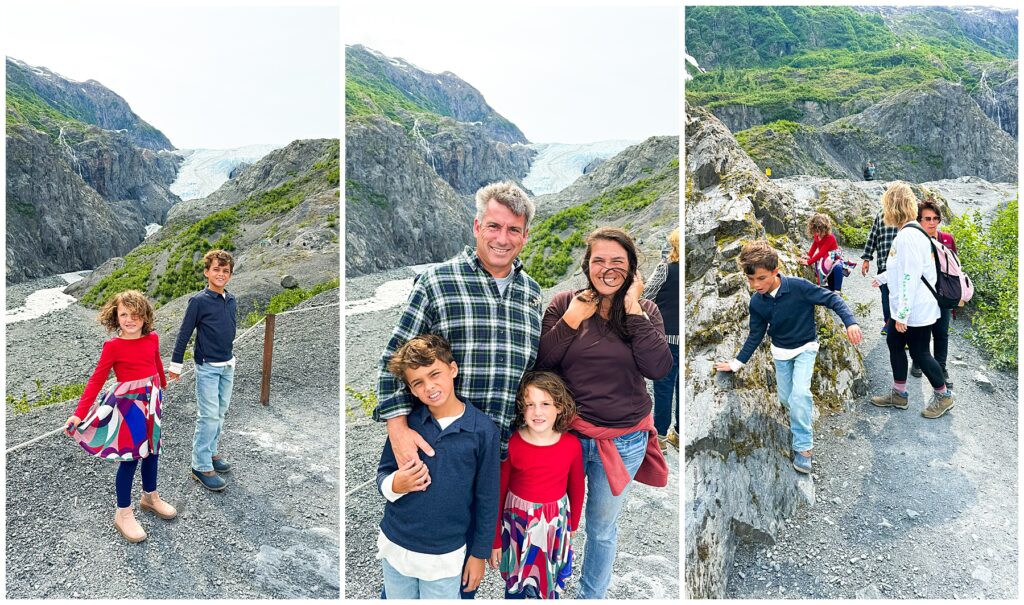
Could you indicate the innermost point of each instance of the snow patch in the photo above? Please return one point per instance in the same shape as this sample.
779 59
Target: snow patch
45 301
558 165
152 228
203 171
389 294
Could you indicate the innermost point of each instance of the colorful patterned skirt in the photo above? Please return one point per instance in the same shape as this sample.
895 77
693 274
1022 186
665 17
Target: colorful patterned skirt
536 550
124 422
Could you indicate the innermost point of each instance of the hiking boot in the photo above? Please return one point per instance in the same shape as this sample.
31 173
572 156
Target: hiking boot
663 444
939 405
673 438
802 463
151 501
915 371
893 399
221 465
212 482
127 526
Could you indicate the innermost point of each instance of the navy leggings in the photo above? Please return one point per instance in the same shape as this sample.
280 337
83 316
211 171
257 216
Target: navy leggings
126 476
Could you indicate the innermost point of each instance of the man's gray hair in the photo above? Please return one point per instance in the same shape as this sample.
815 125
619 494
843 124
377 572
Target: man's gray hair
507 194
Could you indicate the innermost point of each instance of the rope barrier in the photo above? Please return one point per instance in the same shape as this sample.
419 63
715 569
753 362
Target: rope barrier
361 486
180 376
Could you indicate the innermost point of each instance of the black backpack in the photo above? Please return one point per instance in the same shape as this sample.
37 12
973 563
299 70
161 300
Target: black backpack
952 286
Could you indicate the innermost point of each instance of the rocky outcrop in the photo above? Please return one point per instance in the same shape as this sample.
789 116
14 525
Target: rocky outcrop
55 221
996 93
398 211
991 28
464 156
739 482
444 93
89 102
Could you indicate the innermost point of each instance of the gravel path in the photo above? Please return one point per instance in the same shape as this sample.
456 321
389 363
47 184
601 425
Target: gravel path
647 566
273 533
906 507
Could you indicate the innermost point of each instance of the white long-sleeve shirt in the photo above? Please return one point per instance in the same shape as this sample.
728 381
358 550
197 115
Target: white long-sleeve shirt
910 257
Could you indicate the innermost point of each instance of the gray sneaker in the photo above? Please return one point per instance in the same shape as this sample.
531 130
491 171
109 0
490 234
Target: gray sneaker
893 399
939 405
802 463
915 371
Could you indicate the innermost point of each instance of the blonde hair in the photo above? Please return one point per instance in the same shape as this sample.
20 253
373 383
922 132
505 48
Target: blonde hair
673 238
899 205
819 224
136 303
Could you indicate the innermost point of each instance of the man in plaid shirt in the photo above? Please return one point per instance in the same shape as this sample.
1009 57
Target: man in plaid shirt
880 240
486 307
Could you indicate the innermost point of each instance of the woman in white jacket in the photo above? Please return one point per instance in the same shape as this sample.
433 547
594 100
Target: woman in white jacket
913 307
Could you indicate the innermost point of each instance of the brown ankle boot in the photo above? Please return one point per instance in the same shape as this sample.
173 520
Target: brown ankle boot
125 523
151 501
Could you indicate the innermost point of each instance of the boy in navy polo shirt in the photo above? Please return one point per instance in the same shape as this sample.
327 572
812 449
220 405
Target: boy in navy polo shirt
784 307
422 543
211 314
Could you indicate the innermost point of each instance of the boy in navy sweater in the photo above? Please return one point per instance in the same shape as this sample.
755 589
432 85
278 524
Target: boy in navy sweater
784 307
425 537
211 314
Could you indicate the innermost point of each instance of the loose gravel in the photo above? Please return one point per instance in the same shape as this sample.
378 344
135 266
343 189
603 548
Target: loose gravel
647 566
906 507
273 533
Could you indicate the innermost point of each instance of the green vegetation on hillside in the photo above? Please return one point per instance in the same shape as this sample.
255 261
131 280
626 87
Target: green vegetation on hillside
288 299
369 92
548 252
989 257
26 107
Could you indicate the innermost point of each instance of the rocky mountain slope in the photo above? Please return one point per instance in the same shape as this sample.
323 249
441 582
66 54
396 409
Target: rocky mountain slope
887 70
278 217
85 175
739 481
414 136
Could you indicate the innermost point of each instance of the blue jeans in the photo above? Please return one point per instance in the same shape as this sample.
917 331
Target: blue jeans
213 395
793 377
398 586
665 390
602 511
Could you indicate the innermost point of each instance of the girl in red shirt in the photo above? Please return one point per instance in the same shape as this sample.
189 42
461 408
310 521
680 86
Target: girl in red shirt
819 227
542 485
123 423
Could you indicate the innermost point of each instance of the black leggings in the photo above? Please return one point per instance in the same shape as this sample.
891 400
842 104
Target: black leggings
940 332
126 476
917 339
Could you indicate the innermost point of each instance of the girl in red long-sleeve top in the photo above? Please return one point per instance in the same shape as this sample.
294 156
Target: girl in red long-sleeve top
542 486
819 228
123 423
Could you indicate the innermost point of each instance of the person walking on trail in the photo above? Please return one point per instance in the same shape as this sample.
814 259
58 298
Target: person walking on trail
879 241
784 308
487 308
914 309
930 217
663 289
604 341
123 423
211 314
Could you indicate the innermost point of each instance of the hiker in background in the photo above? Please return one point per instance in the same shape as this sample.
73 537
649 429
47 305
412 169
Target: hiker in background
784 308
663 289
604 341
768 171
869 171
930 216
879 241
132 406
914 309
825 254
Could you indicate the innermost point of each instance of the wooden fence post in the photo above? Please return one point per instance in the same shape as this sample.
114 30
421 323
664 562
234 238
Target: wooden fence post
268 355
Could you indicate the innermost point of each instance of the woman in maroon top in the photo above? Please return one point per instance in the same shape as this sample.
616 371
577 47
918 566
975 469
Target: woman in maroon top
604 341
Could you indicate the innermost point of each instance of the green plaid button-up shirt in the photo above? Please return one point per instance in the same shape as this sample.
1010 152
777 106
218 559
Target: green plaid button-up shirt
494 337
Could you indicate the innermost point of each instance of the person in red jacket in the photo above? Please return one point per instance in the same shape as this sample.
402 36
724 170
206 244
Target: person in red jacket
819 228
123 423
541 493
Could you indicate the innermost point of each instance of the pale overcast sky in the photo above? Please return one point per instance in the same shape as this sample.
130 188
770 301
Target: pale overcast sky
207 77
562 74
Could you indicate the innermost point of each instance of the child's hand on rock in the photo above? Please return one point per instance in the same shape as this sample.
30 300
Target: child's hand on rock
854 334
723 366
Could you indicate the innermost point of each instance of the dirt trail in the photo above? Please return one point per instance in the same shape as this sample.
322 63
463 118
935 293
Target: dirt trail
906 507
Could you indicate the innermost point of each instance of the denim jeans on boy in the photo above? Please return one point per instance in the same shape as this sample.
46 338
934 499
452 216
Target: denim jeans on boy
398 586
665 391
213 395
793 377
602 511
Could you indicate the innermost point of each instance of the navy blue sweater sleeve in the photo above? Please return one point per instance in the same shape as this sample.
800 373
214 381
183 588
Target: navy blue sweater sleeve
485 497
188 325
758 327
830 299
387 464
